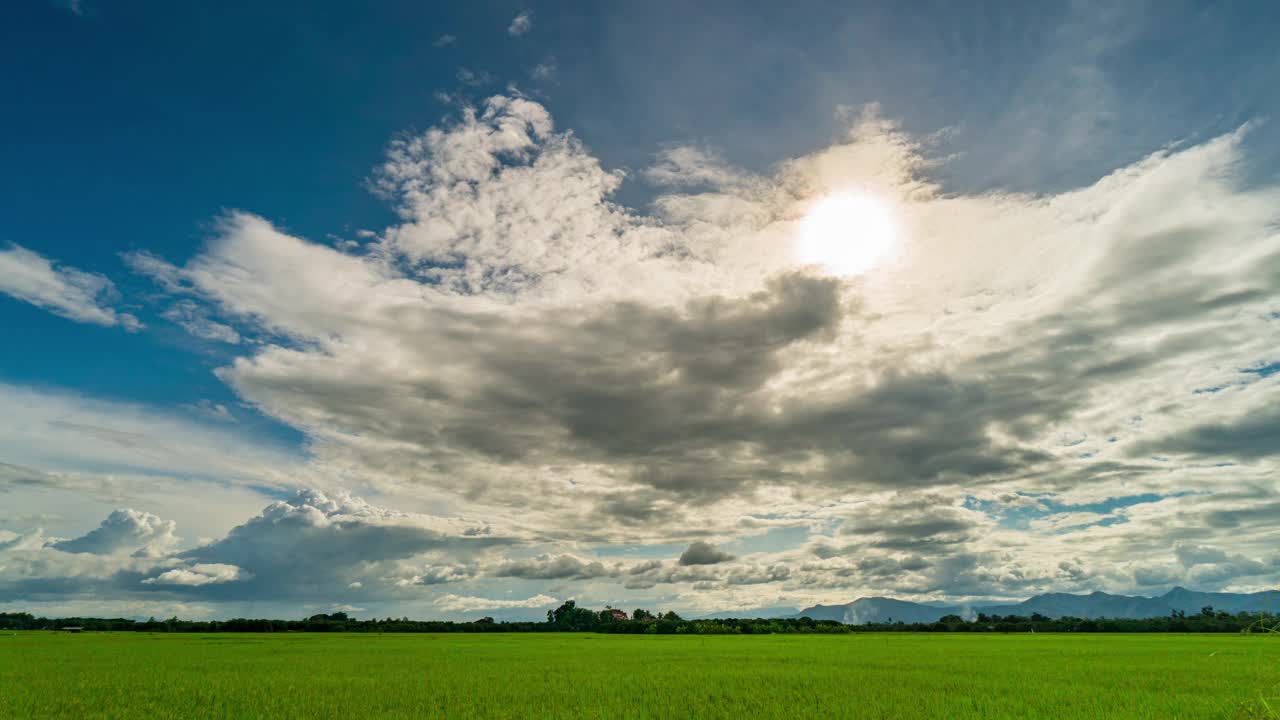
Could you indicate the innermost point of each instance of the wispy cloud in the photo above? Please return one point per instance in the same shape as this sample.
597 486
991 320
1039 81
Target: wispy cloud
545 71
64 291
76 7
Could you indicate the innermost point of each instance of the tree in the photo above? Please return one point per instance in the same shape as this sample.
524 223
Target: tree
641 614
561 615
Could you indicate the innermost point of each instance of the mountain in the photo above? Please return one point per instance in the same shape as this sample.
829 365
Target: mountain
882 610
751 614
1190 601
1091 605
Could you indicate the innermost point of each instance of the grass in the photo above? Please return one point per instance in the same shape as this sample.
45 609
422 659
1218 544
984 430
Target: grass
134 675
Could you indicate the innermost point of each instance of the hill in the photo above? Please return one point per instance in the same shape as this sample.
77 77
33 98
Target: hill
1054 605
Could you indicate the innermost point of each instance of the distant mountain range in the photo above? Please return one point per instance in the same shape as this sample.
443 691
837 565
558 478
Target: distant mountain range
1092 605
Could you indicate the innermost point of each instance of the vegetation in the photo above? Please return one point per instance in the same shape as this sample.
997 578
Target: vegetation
587 675
571 618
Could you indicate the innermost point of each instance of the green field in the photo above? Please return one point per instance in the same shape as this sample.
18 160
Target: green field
135 675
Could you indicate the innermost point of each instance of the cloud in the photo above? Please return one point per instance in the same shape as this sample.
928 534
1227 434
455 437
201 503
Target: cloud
545 71
66 439
315 542
759 575
64 291
1016 401
703 553
473 78
436 575
521 23
1249 437
315 546
212 410
464 603
199 574
75 7
124 530
551 567
192 318
445 40
691 166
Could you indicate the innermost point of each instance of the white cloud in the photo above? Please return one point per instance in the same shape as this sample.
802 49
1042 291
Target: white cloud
193 319
545 71
575 373
212 410
474 78
76 440
464 603
199 574
64 291
521 23
125 530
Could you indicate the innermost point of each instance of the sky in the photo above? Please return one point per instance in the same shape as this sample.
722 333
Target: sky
447 310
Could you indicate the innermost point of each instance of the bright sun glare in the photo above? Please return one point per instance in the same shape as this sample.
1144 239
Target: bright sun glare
846 234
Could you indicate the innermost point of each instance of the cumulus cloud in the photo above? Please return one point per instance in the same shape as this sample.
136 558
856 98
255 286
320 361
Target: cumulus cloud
315 545
431 575
551 567
124 530
315 542
703 553
64 291
1031 394
199 574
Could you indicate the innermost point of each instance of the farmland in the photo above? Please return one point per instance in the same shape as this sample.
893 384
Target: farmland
140 675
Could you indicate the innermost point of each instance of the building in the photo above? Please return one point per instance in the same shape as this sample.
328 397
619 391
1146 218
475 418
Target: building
617 614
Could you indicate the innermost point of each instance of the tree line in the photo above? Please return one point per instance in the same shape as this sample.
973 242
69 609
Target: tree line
571 618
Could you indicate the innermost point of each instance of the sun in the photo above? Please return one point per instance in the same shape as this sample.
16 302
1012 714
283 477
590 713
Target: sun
846 234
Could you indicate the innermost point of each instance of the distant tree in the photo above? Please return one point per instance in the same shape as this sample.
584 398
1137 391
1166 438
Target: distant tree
560 615
641 614
671 615
1206 611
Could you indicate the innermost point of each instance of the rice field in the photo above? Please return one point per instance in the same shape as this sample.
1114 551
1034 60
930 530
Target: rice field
135 675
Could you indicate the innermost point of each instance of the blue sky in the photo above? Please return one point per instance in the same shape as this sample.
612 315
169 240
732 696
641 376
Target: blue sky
216 217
